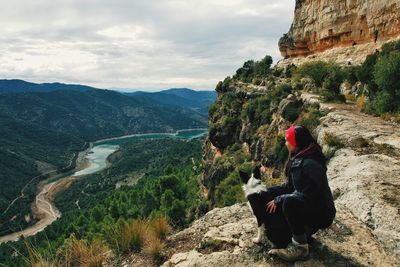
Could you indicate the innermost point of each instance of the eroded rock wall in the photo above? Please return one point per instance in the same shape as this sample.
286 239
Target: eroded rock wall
323 24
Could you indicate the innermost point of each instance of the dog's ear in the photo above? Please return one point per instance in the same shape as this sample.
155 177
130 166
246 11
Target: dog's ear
244 177
257 173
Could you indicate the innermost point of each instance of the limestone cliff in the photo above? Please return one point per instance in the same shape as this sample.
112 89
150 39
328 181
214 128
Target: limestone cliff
323 24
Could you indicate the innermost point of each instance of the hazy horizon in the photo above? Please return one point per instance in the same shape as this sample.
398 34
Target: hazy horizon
140 45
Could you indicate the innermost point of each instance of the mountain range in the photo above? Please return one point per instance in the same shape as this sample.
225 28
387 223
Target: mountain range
182 97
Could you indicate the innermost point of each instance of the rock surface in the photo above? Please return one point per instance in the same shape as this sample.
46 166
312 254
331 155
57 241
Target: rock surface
323 24
345 243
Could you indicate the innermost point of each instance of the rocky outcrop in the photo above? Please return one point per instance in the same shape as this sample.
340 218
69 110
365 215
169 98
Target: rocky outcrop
323 24
224 239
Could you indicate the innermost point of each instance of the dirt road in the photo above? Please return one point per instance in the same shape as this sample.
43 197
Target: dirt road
43 207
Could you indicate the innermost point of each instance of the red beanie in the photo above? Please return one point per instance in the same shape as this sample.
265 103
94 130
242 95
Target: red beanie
290 136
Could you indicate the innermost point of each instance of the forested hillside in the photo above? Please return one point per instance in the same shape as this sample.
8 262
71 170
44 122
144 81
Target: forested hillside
169 170
182 97
42 132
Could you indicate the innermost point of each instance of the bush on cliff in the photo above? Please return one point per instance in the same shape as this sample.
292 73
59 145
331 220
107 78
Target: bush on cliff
229 191
381 73
257 110
329 76
331 85
318 71
254 69
223 86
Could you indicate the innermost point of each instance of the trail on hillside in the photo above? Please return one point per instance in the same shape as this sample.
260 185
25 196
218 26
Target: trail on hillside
43 207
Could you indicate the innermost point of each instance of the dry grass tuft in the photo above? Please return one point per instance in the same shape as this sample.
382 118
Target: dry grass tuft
36 259
332 140
128 236
361 142
83 253
160 227
361 102
154 246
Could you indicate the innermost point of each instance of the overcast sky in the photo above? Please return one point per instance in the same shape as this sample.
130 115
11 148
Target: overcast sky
137 44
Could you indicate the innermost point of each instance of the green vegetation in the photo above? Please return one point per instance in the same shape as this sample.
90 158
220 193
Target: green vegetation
257 111
387 78
318 71
105 213
380 72
310 116
328 76
254 69
229 191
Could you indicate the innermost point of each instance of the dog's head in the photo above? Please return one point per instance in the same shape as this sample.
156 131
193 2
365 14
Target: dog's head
246 177
252 183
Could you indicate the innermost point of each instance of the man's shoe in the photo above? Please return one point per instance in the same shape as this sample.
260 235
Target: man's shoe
293 252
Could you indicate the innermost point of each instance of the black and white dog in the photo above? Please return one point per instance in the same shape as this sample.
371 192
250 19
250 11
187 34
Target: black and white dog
256 194
272 227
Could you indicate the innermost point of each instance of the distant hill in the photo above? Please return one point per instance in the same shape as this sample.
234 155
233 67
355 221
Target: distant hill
181 97
20 86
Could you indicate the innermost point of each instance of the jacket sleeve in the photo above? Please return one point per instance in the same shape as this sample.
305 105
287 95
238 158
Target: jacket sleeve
278 190
309 182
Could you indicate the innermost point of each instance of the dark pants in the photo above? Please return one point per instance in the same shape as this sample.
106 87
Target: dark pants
293 217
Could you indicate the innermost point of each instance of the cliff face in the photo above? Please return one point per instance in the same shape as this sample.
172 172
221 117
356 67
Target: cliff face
323 24
246 127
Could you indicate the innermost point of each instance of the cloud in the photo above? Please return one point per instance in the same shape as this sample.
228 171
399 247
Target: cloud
138 44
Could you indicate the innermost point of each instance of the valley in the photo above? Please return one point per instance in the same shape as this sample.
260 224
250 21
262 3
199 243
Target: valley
89 161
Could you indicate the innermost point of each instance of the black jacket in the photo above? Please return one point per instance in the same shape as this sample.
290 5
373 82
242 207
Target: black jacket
307 180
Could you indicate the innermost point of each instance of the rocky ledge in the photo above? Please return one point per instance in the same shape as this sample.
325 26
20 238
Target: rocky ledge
224 239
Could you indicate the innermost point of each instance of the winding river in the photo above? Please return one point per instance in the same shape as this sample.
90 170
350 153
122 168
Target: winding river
88 162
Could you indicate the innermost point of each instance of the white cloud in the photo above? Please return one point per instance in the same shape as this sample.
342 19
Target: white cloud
138 44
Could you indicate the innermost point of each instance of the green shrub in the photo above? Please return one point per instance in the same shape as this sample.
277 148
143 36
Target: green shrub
316 70
350 74
223 86
382 103
290 70
387 77
390 47
310 120
281 91
280 150
254 69
257 110
212 109
333 80
229 191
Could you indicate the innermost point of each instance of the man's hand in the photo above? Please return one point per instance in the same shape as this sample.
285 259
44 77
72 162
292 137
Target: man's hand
271 207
